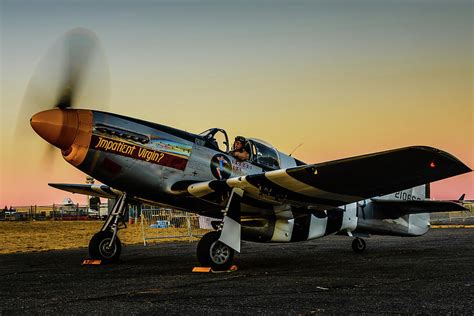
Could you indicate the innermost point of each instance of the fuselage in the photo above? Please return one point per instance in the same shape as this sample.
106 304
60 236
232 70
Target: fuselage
147 160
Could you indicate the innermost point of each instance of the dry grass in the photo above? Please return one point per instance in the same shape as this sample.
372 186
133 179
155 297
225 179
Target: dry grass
32 236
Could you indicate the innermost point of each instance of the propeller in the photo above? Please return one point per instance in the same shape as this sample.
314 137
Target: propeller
79 45
73 73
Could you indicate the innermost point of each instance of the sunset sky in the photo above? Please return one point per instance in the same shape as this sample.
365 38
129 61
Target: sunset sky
343 78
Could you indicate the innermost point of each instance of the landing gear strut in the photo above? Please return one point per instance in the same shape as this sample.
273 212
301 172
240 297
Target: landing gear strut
105 245
358 245
216 249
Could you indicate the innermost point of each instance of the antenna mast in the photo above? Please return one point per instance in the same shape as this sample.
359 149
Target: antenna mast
292 152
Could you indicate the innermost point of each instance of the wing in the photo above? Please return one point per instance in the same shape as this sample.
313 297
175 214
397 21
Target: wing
335 183
100 190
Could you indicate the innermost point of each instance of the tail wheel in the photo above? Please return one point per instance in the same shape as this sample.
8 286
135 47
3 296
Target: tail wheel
100 248
213 253
358 245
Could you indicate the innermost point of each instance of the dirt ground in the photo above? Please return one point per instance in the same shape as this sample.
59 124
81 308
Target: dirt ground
33 236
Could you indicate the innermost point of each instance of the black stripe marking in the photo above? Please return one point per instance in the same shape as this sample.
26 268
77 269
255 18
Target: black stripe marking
256 203
334 223
280 193
219 186
182 186
301 228
214 197
107 189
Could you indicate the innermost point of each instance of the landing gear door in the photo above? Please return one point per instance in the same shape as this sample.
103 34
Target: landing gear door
349 219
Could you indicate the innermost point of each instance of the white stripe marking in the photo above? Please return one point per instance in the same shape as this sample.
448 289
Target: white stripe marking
116 192
200 189
251 190
242 183
99 188
281 178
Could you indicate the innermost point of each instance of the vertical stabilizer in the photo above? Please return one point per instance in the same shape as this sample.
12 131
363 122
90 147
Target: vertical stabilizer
421 192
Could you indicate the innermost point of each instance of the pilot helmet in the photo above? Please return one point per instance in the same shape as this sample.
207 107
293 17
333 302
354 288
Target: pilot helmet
241 139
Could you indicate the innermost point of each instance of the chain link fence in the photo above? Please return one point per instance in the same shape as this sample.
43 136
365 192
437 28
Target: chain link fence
161 223
50 212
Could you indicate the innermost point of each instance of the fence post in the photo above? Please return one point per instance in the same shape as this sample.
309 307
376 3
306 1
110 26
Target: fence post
143 225
190 232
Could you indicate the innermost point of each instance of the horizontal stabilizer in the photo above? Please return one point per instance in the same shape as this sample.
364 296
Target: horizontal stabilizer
397 208
100 190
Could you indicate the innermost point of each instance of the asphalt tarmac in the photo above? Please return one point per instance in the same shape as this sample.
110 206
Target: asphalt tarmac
429 274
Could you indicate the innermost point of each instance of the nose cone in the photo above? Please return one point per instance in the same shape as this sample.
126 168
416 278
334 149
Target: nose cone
58 127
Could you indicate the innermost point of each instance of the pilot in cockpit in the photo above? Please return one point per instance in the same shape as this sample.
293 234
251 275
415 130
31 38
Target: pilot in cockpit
239 150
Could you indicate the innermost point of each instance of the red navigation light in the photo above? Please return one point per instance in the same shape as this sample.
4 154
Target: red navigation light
432 164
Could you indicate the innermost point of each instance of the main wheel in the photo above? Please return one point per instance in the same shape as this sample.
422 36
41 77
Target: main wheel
358 245
99 247
213 253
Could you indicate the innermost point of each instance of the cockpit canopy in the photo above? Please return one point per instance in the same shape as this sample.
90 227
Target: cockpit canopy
260 152
263 154
216 138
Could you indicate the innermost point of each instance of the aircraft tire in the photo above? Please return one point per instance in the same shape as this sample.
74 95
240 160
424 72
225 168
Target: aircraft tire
358 245
213 253
99 247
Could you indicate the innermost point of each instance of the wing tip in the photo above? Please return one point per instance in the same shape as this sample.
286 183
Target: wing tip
460 166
